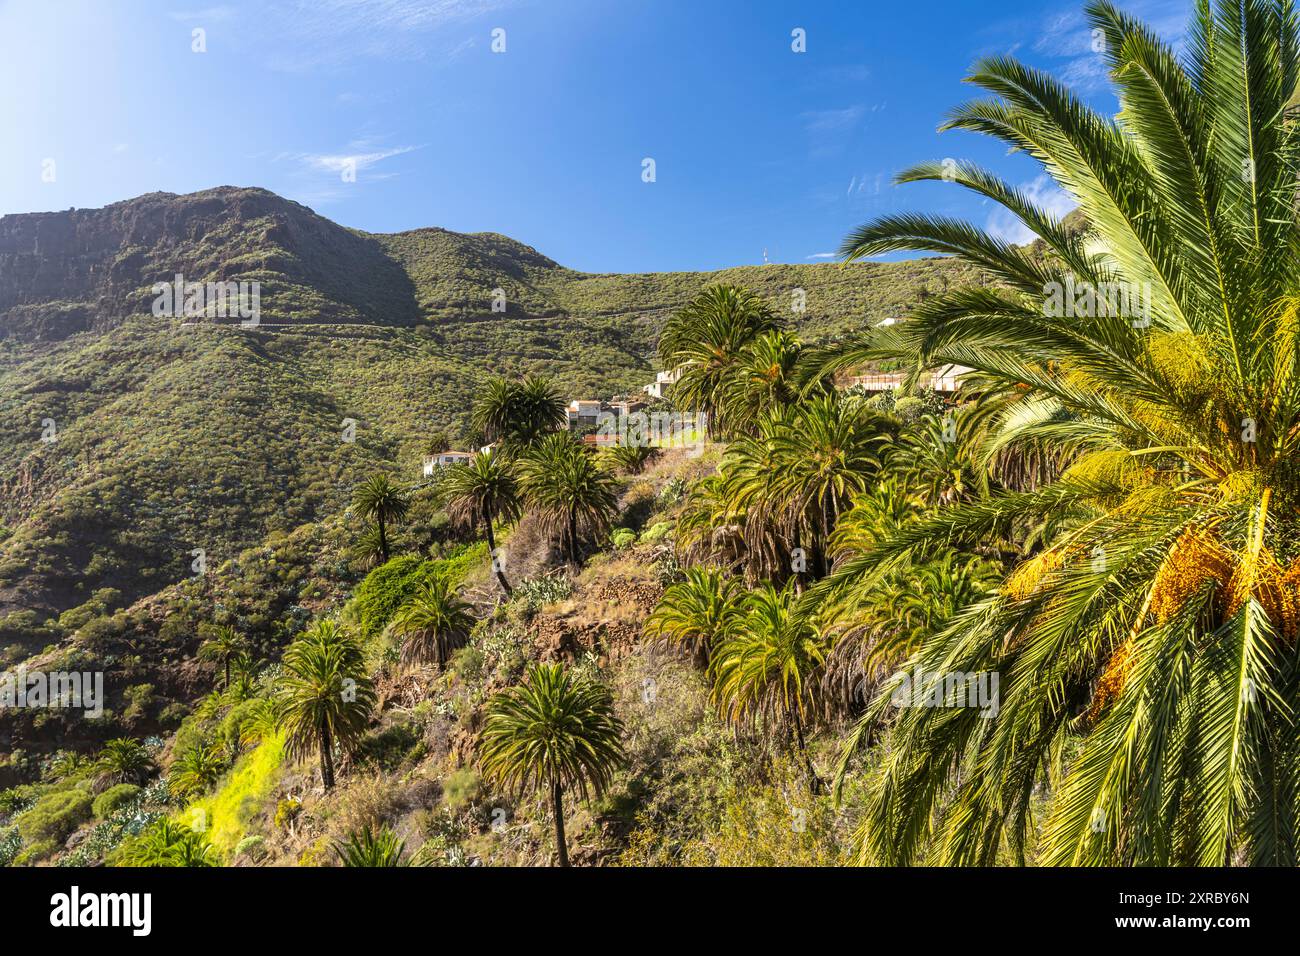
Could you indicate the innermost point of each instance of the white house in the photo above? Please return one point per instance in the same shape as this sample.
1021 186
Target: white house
445 459
584 412
662 380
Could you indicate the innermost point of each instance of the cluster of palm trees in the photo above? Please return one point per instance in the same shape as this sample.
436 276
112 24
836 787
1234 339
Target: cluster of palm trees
1116 500
535 466
1108 520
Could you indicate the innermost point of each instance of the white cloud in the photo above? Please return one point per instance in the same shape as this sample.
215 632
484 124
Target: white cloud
822 255
337 162
315 34
833 121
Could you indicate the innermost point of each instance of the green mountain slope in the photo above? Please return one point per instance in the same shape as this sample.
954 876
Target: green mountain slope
174 437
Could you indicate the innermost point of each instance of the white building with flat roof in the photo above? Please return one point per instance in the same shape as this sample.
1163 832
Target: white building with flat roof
445 459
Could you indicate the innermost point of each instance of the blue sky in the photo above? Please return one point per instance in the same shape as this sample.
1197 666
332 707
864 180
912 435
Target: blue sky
755 146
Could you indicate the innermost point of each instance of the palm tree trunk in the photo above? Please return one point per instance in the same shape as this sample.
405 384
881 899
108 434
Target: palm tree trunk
227 671
813 781
557 807
326 759
383 538
492 553
573 537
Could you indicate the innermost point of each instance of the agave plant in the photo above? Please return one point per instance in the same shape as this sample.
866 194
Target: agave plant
370 848
1155 631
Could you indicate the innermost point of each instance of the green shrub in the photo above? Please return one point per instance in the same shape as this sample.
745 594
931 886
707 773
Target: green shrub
54 816
387 588
461 788
251 846
622 538
909 409
657 532
114 799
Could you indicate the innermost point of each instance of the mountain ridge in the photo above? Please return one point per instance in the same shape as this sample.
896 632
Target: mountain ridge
172 438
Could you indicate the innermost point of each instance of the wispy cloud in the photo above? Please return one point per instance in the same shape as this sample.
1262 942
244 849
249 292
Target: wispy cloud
1063 38
833 121
338 162
329 177
322 34
822 255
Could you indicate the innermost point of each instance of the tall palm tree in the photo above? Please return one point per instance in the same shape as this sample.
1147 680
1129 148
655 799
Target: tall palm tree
1155 632
697 613
570 493
479 493
222 644
557 731
706 340
518 414
327 698
434 622
767 671
380 500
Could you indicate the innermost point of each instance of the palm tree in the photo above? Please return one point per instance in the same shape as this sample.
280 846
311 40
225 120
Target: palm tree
557 730
368 548
706 340
482 492
796 474
327 696
434 621
766 672
222 644
1154 632
125 761
168 844
196 770
371 849
697 613
764 376
573 497
381 501
518 414
630 459
261 722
